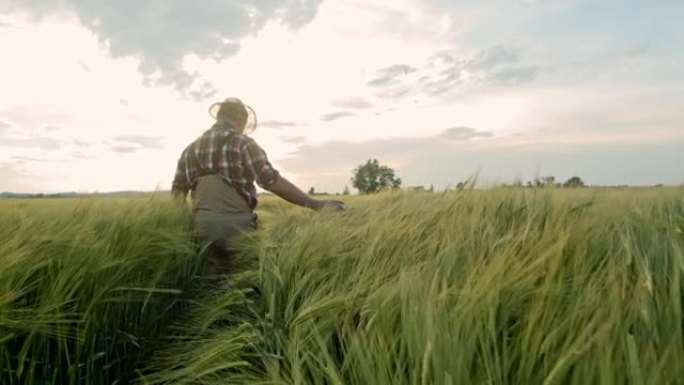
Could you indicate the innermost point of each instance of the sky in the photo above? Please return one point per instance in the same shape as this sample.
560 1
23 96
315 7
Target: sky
104 95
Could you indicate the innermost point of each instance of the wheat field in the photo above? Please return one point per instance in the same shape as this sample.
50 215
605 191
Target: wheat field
496 286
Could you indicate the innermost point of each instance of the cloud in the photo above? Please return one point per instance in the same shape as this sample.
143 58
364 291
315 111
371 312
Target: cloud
380 82
395 93
46 144
11 180
31 116
142 141
328 165
30 159
464 133
277 124
397 70
294 139
390 75
124 149
161 33
84 66
206 90
26 144
442 160
637 50
514 75
80 143
133 143
493 57
336 115
447 71
493 66
532 2
343 154
611 59
81 155
356 103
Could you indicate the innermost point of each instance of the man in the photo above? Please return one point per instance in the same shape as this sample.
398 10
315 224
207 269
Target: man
220 168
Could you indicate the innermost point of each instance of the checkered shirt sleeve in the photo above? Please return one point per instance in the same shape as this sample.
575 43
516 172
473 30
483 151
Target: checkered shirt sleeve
256 165
186 172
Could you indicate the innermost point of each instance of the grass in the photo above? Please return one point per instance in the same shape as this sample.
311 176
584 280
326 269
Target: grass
86 286
503 286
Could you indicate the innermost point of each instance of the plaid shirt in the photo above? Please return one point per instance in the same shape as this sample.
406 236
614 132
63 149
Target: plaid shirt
240 161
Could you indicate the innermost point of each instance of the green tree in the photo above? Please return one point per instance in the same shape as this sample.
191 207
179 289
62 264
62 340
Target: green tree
575 181
545 181
372 177
549 181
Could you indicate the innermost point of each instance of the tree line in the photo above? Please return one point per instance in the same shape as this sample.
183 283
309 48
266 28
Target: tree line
372 177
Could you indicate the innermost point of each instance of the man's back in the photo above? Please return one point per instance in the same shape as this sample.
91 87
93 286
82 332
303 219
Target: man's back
236 158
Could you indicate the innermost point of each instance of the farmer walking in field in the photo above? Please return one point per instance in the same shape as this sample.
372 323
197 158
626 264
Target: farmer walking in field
219 169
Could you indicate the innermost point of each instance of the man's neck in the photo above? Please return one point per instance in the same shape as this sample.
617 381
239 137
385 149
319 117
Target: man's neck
224 126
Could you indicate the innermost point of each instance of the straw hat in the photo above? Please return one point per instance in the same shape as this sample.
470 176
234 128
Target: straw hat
233 111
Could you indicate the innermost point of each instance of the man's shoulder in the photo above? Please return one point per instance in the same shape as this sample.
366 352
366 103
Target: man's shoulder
203 135
246 140
228 135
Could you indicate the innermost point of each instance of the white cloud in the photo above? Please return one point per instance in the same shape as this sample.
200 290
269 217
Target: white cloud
12 181
297 75
78 88
160 34
79 114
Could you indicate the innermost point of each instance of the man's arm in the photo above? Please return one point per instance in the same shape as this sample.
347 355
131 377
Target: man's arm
179 194
179 186
257 165
286 190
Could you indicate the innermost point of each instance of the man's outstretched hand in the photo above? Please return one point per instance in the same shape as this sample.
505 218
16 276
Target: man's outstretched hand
286 190
329 205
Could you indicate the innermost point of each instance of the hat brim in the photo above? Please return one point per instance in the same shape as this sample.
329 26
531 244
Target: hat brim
251 124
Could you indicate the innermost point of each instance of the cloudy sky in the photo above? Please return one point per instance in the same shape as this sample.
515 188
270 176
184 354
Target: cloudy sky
104 95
